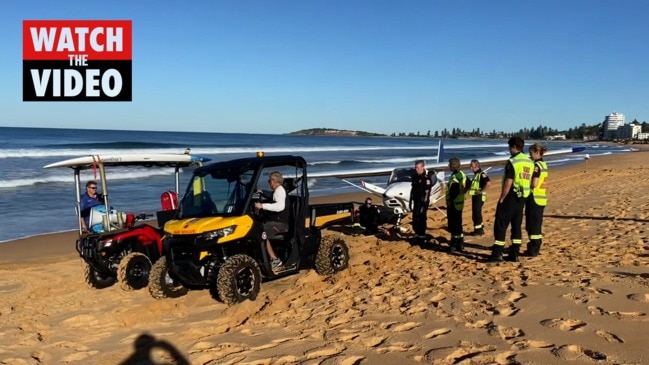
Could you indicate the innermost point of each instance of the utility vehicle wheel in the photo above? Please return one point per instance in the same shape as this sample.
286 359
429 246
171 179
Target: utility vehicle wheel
133 271
96 280
161 285
238 279
332 256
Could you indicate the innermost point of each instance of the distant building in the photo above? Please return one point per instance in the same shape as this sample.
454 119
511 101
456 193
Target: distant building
643 135
611 123
629 131
556 137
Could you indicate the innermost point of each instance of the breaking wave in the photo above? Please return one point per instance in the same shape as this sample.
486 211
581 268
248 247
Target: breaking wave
69 178
84 149
112 145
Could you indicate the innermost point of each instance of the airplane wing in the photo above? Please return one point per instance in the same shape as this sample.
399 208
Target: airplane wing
384 171
492 161
440 165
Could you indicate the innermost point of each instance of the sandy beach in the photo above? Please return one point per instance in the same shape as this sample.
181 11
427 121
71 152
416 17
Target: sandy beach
584 300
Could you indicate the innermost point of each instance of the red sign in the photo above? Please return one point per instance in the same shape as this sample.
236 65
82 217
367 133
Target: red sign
77 60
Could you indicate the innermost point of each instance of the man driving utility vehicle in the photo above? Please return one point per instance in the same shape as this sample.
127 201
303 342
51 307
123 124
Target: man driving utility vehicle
275 214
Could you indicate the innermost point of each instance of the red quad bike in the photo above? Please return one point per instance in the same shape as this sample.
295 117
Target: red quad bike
122 247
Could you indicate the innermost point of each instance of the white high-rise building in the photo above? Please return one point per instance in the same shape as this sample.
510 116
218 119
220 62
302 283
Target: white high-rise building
612 122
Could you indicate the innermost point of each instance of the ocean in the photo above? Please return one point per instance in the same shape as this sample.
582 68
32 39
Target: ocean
35 201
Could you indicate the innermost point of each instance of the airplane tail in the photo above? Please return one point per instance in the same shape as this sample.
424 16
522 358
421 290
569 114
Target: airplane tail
440 151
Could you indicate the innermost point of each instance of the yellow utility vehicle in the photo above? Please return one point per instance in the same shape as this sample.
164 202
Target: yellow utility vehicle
217 240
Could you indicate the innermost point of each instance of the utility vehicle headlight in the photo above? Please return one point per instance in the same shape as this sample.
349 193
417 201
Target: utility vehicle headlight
105 243
219 233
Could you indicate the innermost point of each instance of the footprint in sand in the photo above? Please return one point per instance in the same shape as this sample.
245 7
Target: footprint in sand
406 326
506 358
344 360
370 342
574 352
380 290
620 315
564 324
609 336
504 332
454 355
509 311
639 297
535 344
600 291
398 347
203 351
597 311
581 298
516 296
437 333
435 299
324 352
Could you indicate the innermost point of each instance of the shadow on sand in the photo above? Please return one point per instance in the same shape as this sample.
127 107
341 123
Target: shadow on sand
144 347
602 218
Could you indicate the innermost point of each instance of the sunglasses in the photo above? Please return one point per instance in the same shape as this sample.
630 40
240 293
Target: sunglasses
92 187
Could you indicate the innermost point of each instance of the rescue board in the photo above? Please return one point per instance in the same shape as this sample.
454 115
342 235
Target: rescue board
131 159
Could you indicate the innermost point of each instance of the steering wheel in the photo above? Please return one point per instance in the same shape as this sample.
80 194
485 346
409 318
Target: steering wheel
257 197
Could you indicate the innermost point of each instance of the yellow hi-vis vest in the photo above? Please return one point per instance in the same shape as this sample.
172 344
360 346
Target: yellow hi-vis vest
523 168
475 185
457 178
540 197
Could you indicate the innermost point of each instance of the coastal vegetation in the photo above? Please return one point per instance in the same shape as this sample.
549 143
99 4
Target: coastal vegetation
581 132
334 132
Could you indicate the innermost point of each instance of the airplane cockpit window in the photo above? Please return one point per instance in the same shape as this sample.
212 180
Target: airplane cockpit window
406 174
402 175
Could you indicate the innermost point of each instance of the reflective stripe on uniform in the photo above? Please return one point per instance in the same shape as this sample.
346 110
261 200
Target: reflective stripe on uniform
536 236
499 243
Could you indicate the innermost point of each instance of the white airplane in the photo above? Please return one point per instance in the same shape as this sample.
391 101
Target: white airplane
396 195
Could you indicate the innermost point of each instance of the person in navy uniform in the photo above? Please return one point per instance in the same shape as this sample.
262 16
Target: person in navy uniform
420 199
369 216
476 188
89 199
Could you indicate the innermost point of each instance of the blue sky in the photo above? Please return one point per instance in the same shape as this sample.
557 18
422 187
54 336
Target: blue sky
382 66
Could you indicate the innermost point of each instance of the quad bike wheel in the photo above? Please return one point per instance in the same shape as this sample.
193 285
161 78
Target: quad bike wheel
332 256
161 285
95 279
239 278
133 271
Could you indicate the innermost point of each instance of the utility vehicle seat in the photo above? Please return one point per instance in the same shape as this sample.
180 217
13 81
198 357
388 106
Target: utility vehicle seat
293 208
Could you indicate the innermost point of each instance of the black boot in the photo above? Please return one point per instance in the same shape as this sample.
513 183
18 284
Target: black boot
533 248
529 251
452 246
459 244
539 242
479 232
496 254
513 253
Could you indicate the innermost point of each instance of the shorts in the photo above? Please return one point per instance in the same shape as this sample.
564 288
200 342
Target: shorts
272 229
